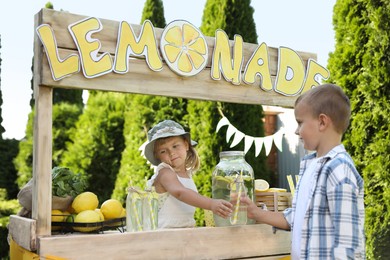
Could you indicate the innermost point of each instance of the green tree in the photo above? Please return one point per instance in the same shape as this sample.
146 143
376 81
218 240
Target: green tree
361 65
154 12
97 142
65 116
67 106
8 150
142 113
234 17
2 130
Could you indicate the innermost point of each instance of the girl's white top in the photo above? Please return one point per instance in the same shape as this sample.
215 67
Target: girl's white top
173 213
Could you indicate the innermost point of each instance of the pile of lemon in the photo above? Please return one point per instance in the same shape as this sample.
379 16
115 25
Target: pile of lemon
84 209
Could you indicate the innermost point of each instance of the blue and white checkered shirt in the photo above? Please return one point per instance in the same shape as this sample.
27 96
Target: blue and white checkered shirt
333 226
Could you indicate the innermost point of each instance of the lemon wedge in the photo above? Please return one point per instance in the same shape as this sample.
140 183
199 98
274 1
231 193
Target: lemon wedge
261 185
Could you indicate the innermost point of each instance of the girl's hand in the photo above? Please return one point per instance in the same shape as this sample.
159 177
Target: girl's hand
221 208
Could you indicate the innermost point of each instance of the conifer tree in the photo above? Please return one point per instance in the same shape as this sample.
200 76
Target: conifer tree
65 116
360 64
234 17
8 151
97 142
143 112
67 106
2 130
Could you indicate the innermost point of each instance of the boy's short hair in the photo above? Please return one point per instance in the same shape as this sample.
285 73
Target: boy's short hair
328 99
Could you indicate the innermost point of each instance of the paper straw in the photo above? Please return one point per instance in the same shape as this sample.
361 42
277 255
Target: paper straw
291 184
296 179
133 204
235 216
151 211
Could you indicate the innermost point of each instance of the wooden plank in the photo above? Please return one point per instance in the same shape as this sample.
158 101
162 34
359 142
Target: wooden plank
185 243
59 21
22 231
142 80
42 160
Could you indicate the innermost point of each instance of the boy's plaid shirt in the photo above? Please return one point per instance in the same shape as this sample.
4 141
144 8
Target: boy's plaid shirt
333 227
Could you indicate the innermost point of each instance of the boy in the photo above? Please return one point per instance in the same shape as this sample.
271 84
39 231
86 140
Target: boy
327 214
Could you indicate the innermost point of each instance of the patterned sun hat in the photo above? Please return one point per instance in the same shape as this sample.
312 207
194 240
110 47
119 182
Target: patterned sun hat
166 128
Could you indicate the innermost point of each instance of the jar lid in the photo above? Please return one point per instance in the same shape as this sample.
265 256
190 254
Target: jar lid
231 153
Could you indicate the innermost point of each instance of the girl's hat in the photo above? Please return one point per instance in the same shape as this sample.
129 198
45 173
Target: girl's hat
166 128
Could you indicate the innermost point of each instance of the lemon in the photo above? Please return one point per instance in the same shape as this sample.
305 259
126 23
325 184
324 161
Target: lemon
57 215
87 216
111 208
121 222
100 214
85 201
123 213
261 185
184 48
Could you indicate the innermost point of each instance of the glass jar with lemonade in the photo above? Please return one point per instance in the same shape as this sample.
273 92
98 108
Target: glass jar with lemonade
231 167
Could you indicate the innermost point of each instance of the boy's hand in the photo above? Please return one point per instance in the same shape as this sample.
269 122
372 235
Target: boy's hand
252 209
221 208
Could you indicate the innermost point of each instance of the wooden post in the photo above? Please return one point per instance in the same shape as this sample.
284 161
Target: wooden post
42 146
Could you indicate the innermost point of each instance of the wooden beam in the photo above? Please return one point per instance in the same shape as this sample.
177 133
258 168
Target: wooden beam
42 149
142 80
22 231
184 243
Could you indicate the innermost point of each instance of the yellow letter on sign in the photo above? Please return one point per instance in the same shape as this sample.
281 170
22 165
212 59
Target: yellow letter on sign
258 65
291 73
59 68
222 59
314 69
145 45
93 65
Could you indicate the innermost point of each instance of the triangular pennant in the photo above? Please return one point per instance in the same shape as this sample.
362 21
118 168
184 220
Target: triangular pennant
248 143
268 144
230 131
258 145
278 137
237 138
222 122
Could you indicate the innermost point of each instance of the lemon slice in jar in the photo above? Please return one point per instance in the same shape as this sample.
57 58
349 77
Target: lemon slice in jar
261 185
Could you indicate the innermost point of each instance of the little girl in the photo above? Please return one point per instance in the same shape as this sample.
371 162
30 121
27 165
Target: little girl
171 149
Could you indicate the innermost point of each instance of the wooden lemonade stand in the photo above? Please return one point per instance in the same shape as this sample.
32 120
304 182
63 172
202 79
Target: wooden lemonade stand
34 235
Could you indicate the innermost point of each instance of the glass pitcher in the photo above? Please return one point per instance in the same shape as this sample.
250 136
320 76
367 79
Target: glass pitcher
231 165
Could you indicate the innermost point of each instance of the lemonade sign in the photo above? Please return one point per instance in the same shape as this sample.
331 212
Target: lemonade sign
184 49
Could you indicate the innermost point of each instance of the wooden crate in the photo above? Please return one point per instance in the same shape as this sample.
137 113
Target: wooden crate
275 201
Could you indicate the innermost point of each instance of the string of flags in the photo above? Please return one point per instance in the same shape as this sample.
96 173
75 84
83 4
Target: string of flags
267 141
259 142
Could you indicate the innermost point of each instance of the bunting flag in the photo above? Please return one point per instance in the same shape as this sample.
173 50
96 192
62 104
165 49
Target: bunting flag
258 142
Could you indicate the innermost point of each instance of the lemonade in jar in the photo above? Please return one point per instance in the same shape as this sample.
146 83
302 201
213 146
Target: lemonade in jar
231 167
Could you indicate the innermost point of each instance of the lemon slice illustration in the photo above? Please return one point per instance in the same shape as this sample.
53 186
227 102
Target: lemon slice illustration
184 48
